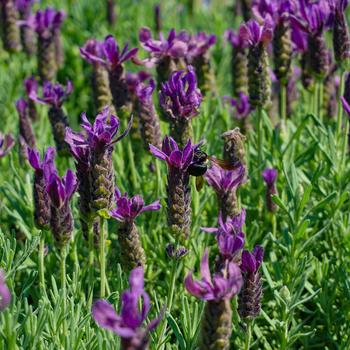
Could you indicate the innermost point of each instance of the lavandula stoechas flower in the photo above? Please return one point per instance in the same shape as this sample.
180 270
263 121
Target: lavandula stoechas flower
314 18
113 59
6 143
5 294
270 176
198 57
234 149
54 95
47 24
178 187
249 299
61 191
24 8
31 87
216 324
225 183
330 90
42 172
341 40
257 37
147 114
157 18
239 62
180 99
168 53
126 211
243 109
10 31
129 323
111 14
25 125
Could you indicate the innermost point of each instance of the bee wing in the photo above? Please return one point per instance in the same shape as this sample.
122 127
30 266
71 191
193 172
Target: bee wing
224 164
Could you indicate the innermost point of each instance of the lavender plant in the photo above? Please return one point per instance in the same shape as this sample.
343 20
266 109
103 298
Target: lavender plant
10 32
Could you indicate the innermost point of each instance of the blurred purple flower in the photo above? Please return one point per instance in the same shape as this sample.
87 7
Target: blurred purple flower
5 295
180 96
222 286
47 166
6 143
128 324
241 104
133 80
127 209
254 33
92 51
270 175
24 6
53 94
235 39
251 262
31 86
199 44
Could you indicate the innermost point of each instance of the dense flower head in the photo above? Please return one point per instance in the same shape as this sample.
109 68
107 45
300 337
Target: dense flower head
175 157
111 55
251 262
224 180
199 44
128 324
45 22
128 208
53 94
180 96
270 175
92 50
254 33
5 295
6 143
235 39
47 165
173 46
31 86
133 80
61 190
21 106
222 286
241 104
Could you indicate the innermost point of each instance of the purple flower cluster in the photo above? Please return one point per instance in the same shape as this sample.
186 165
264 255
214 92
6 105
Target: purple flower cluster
270 176
6 143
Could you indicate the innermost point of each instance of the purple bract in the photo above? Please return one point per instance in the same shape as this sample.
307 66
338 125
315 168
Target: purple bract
6 143
254 33
251 262
5 295
270 175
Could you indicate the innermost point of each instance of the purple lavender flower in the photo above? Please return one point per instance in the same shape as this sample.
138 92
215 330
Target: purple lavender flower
128 324
216 325
9 26
42 173
133 80
6 143
225 184
180 99
157 18
25 125
148 117
234 148
345 99
31 88
61 191
24 7
254 34
270 176
178 187
249 300
241 104
5 294
238 62
126 211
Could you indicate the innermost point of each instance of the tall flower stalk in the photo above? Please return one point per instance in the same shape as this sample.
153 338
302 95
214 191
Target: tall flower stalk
216 325
54 96
10 31
31 88
25 125
178 188
180 99
126 211
234 147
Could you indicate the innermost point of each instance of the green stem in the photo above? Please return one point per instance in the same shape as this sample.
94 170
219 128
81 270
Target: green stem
102 259
41 264
283 103
320 100
344 148
248 335
340 107
64 288
260 133
132 166
274 224
91 260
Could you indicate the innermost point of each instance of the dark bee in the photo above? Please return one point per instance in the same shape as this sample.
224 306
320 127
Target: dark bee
200 165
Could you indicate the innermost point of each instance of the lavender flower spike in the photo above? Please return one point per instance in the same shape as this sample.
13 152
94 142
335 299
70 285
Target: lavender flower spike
234 148
126 211
180 99
5 295
25 125
24 8
31 88
243 109
149 121
178 188
128 324
61 191
6 143
249 300
257 38
54 95
100 84
225 184
216 327
270 176
42 172
9 25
